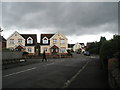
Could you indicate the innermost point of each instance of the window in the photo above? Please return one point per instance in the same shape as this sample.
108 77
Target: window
45 40
29 40
54 50
19 40
62 50
11 41
11 49
54 40
29 50
62 41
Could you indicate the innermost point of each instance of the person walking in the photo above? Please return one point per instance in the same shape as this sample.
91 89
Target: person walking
44 56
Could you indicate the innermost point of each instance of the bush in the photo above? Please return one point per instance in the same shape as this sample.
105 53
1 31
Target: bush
110 49
106 50
69 53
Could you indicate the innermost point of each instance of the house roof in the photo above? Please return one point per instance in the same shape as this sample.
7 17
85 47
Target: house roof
54 46
19 47
3 39
70 45
58 33
81 43
89 43
45 35
33 36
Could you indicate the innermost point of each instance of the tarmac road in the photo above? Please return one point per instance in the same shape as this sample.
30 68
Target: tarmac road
77 72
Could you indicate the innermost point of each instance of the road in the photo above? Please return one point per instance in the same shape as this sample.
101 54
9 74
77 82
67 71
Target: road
77 72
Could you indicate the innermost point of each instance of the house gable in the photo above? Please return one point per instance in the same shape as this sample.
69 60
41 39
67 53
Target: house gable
15 34
47 36
12 41
33 38
45 40
29 40
60 35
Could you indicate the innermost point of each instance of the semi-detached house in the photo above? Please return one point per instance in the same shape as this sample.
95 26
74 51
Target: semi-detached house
22 42
54 43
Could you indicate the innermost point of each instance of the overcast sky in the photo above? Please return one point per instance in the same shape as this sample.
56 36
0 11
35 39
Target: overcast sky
79 21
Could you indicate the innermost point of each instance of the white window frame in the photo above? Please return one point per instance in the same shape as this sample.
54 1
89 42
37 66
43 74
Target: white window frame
29 49
45 41
62 50
11 41
19 40
56 50
29 41
62 41
52 49
54 41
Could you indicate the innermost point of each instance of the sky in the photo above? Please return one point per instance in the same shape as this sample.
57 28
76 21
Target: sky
79 21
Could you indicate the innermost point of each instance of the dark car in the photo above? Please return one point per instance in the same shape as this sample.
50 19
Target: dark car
87 53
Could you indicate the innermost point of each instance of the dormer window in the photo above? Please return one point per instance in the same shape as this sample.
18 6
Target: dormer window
29 40
45 40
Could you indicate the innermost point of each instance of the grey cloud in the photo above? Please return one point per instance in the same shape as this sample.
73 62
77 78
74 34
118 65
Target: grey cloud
69 18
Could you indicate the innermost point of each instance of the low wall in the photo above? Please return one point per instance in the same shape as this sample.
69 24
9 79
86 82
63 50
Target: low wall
114 73
7 55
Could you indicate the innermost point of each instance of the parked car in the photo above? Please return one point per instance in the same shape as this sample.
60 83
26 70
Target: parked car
87 53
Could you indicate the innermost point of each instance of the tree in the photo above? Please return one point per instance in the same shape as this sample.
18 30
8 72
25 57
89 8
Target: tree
110 49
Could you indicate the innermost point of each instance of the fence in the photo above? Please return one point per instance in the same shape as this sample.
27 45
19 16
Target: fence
7 55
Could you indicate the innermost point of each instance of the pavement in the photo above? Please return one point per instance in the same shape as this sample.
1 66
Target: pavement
77 72
91 77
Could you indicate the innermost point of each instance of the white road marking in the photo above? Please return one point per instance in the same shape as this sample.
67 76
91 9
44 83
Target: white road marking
69 81
92 57
19 72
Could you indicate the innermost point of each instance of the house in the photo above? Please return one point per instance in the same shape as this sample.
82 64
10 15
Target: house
3 42
82 45
22 42
78 46
88 44
54 43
